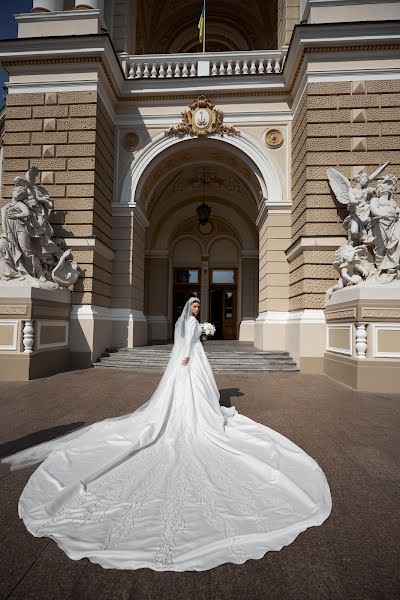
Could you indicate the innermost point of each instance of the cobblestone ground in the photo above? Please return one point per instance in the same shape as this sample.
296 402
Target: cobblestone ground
353 436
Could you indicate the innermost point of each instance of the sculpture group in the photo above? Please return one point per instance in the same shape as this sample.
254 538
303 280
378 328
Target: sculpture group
372 252
28 251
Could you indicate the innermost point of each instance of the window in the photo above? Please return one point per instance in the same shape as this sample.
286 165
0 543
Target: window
184 276
223 276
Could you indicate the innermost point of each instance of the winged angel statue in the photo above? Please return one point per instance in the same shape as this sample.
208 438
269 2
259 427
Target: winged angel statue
28 251
372 252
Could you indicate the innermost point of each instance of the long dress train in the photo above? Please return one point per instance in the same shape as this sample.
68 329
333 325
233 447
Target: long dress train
180 484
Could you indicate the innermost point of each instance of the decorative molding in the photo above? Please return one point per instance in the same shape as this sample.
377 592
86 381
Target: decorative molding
99 313
93 244
273 138
202 119
15 324
345 313
313 243
376 328
380 312
131 141
345 327
13 309
42 324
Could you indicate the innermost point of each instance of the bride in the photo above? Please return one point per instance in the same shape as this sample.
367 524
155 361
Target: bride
180 484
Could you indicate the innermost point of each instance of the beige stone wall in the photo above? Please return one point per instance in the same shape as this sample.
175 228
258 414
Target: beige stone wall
124 25
128 267
274 267
288 17
69 137
350 126
250 271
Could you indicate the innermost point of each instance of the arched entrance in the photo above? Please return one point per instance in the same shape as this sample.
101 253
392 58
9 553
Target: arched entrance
219 261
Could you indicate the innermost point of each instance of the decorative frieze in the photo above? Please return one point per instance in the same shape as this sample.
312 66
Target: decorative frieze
341 315
13 309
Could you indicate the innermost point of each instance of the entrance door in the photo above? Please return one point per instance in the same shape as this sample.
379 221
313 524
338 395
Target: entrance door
223 303
186 285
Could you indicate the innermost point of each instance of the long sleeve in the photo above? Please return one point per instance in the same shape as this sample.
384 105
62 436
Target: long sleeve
189 335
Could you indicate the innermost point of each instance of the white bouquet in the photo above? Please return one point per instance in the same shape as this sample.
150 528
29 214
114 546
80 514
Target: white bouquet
207 328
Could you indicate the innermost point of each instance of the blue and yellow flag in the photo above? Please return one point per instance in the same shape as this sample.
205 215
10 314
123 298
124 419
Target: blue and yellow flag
200 26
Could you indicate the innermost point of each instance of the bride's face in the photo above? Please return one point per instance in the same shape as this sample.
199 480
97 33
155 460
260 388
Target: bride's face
195 309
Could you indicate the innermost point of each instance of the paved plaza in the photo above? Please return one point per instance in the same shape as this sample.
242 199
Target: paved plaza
353 436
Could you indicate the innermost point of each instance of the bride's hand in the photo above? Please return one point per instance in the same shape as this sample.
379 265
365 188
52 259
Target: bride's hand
185 360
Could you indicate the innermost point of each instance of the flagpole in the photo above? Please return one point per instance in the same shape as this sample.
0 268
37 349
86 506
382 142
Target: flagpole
204 31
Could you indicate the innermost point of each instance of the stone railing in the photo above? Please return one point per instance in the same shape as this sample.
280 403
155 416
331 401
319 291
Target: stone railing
214 64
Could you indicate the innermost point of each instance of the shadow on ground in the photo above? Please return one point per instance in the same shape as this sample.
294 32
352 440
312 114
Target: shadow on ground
38 437
227 394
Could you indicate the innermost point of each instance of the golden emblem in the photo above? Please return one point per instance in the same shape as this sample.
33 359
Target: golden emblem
202 119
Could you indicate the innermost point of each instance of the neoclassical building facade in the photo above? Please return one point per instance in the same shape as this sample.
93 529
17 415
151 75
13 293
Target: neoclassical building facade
133 128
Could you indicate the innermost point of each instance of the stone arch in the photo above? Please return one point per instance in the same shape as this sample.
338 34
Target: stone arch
247 148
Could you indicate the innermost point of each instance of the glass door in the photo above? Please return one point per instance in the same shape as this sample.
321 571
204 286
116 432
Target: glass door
186 285
223 303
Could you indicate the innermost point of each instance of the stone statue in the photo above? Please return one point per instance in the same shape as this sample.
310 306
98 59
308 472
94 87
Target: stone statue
372 252
354 263
28 251
385 226
356 199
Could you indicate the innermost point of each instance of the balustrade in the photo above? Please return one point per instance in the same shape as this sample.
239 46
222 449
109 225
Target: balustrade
207 64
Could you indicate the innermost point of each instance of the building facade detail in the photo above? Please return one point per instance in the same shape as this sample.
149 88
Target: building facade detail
28 250
124 127
202 119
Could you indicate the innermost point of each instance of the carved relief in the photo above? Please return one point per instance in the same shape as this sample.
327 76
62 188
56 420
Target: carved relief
346 313
372 252
28 250
380 313
202 119
273 138
130 141
13 309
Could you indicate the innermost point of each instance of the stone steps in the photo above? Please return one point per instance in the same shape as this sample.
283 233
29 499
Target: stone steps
226 357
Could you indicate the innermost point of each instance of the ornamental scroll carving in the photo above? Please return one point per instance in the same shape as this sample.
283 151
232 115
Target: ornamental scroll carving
28 251
337 315
202 119
372 253
13 309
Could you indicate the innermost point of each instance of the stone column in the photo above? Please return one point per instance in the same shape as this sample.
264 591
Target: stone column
47 5
88 4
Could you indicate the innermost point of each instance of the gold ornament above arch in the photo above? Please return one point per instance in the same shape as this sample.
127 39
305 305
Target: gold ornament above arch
202 119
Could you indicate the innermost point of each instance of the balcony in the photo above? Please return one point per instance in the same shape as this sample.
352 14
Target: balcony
208 64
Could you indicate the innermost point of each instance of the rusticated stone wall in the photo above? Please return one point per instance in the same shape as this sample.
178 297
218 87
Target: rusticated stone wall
69 137
273 264
351 126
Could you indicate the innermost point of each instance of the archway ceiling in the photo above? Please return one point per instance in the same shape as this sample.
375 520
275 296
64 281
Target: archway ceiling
181 172
167 225
186 183
163 22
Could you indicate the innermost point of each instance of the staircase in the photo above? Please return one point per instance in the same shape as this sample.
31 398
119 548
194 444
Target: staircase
224 356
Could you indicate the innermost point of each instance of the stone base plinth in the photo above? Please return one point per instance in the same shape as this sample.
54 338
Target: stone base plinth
301 333
34 331
379 376
363 337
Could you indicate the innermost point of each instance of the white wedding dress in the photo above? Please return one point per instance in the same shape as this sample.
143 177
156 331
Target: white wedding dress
180 484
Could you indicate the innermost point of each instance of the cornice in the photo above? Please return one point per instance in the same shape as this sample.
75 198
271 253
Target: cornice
307 41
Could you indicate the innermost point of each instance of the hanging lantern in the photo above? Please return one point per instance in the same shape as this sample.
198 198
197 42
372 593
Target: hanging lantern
203 213
203 210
